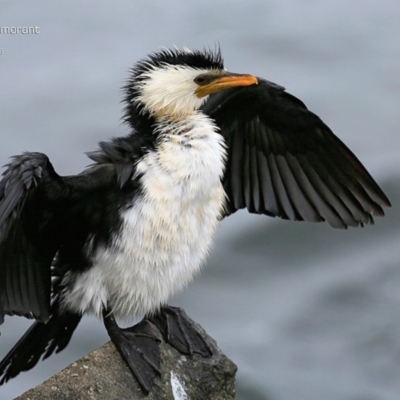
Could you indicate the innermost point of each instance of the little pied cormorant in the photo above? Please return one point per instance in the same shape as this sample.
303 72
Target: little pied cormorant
120 238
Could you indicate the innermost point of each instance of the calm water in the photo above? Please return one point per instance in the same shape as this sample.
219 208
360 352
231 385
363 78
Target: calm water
305 311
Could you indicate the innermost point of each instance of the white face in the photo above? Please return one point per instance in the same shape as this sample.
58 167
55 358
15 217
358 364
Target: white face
170 90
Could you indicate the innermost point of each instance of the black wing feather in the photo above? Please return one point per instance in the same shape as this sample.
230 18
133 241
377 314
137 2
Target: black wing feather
284 161
41 340
28 235
42 213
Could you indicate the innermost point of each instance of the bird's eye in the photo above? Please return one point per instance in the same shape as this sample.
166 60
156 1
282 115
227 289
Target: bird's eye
200 80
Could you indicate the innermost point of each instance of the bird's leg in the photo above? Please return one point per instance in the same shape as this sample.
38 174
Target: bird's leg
139 348
180 332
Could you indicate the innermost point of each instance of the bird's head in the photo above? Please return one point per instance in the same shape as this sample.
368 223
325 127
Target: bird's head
177 82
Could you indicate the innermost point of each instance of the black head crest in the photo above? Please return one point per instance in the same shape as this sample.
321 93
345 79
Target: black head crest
205 59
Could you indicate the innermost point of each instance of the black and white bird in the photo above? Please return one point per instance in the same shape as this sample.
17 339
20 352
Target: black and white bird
119 239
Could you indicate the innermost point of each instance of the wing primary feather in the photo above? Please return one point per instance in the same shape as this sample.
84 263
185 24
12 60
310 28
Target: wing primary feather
356 170
271 204
334 206
10 291
309 187
32 287
359 191
301 203
256 193
20 282
338 197
288 210
247 177
341 191
255 171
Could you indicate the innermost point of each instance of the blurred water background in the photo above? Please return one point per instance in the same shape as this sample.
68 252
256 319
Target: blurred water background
305 311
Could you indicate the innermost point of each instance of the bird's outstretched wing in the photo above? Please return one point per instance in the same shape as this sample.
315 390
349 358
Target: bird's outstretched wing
42 214
284 161
31 203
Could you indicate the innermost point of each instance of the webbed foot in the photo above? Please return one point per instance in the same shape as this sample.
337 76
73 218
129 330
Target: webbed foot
180 332
139 348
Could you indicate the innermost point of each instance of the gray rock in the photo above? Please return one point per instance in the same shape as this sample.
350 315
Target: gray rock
102 375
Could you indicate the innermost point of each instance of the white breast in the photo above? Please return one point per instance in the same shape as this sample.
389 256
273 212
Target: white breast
167 232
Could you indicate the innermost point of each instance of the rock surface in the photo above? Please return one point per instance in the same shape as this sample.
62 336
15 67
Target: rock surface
102 375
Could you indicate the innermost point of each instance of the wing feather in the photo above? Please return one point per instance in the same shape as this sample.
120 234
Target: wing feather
44 215
28 190
284 161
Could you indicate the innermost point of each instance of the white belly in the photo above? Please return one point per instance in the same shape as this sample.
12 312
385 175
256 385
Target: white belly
166 233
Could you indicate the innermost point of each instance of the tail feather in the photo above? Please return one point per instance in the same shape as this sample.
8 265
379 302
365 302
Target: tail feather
41 339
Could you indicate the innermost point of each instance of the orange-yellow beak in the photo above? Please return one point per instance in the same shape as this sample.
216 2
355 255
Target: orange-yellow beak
226 82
